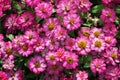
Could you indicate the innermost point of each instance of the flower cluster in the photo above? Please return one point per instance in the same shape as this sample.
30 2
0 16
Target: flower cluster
59 40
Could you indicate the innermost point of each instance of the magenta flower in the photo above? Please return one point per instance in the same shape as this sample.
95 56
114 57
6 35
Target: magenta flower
108 15
3 75
51 58
110 29
82 75
72 21
11 23
65 7
51 76
25 20
98 65
43 10
32 2
83 5
98 45
82 45
37 64
85 31
71 60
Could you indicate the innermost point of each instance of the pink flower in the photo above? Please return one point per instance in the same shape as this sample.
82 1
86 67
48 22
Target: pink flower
60 54
3 75
43 10
82 45
65 7
51 58
106 1
51 76
110 29
98 65
25 49
82 75
71 60
11 23
72 21
108 15
31 37
1 11
25 20
69 43
32 2
55 69
98 45
83 5
37 64
85 31
39 45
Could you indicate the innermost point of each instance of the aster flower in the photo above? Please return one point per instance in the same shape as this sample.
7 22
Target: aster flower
65 7
25 20
82 45
31 37
37 64
10 23
71 60
98 45
83 5
98 65
32 2
72 21
69 43
51 58
108 15
3 75
55 69
85 31
82 75
43 10
110 29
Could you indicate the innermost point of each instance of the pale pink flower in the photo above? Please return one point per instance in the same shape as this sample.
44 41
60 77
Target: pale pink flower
82 75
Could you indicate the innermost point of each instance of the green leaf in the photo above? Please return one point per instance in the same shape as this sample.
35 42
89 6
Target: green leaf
10 36
117 9
97 9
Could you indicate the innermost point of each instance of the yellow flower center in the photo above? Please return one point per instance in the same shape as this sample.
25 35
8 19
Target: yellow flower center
98 43
26 19
25 47
82 44
97 65
30 37
54 67
51 26
70 60
72 21
97 33
109 14
38 44
60 54
52 57
86 34
8 51
114 55
37 64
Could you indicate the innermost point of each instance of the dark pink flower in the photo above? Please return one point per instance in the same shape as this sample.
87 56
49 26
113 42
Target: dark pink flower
3 75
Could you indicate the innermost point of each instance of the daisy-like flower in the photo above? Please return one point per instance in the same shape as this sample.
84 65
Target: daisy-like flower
110 29
108 15
113 55
83 5
60 54
98 45
82 45
50 25
82 75
70 61
37 64
96 33
60 33
32 2
55 69
72 21
43 10
3 75
65 7
69 43
31 37
39 45
25 49
98 65
10 23
51 58
51 76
